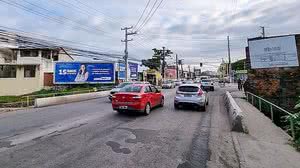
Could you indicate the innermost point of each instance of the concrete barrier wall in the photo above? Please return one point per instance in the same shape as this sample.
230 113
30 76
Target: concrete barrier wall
49 101
235 114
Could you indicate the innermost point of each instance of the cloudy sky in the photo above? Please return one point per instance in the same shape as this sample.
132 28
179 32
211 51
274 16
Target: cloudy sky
195 30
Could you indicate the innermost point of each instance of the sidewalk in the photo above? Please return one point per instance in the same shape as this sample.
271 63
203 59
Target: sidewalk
266 145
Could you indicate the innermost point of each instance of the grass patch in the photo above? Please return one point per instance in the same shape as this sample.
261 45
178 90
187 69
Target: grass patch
8 99
56 91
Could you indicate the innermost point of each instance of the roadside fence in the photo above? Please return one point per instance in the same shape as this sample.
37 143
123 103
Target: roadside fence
278 115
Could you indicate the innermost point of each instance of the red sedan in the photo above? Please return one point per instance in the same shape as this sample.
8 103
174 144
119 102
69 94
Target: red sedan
137 97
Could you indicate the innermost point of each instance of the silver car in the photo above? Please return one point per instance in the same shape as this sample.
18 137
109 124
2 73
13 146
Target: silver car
191 95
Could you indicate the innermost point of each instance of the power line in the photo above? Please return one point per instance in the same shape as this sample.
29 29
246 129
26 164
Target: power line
83 11
64 17
98 11
56 40
20 6
148 15
29 42
142 14
143 25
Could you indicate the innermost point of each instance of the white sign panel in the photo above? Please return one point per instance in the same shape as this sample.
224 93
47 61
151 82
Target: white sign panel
273 52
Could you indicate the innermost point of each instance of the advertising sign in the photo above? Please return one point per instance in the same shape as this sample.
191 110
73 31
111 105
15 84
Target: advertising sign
170 73
121 71
273 52
133 70
80 72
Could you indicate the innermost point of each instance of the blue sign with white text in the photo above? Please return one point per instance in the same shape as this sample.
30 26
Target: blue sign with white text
78 73
121 71
133 70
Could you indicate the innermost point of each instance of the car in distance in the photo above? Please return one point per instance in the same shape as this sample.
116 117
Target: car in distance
137 97
120 86
117 89
168 85
178 83
207 84
191 95
189 82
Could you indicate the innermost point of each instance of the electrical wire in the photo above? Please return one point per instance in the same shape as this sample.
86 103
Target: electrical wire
20 6
143 25
28 42
142 14
148 15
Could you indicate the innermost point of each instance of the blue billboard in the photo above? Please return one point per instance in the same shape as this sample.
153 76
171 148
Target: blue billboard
81 72
133 70
121 71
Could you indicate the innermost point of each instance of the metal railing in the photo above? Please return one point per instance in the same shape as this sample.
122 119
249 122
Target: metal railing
27 101
272 106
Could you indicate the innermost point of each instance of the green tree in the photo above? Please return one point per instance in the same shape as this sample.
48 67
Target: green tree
154 62
239 65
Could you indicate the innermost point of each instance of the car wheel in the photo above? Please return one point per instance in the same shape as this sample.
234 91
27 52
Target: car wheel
162 102
203 108
176 106
147 109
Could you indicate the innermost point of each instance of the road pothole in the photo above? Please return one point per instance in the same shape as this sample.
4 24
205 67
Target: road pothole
116 147
5 144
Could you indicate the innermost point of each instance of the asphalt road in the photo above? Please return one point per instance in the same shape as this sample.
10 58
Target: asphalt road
89 134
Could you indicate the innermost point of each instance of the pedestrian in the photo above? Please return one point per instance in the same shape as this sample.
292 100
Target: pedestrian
242 85
239 84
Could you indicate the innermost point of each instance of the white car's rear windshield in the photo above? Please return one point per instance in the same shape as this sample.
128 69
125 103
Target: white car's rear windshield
188 89
206 80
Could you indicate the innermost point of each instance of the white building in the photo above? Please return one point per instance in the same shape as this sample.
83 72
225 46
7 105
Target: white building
26 70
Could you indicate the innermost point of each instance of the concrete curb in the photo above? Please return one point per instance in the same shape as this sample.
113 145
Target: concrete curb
49 101
235 114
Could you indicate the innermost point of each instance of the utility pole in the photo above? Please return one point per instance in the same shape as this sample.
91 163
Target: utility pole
163 54
263 31
180 63
189 71
177 75
229 59
163 63
126 48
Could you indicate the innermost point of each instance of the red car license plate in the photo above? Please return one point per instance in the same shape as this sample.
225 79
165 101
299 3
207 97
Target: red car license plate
123 107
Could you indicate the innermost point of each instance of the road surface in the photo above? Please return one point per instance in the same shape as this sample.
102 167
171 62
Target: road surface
89 134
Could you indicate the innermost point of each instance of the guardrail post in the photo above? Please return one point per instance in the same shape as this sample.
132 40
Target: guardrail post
27 100
252 99
259 101
247 95
272 115
292 128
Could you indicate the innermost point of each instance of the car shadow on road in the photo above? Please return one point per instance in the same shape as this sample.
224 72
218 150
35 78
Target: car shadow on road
129 114
190 109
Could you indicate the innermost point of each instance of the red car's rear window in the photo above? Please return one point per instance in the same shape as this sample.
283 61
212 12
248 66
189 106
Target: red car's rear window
132 88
